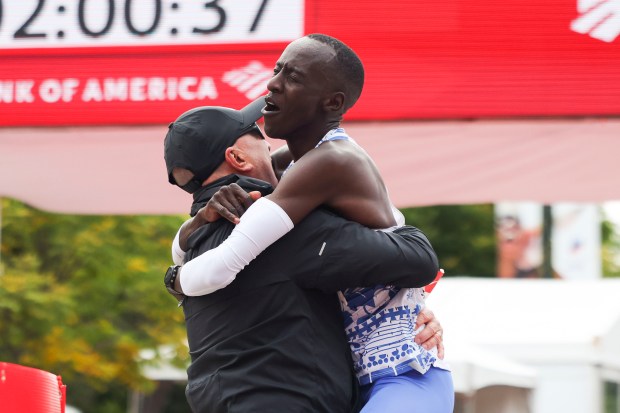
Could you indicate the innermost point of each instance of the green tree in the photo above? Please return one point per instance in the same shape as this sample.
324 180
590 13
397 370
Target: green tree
610 249
81 296
464 238
462 235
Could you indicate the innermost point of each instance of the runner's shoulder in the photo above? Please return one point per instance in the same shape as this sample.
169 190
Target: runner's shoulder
339 154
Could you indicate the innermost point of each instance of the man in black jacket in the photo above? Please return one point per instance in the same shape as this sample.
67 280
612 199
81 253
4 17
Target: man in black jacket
273 340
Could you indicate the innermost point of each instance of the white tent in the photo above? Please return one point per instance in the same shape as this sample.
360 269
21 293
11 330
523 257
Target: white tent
567 332
475 369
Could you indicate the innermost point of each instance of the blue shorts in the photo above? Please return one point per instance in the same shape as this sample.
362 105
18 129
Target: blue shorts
411 392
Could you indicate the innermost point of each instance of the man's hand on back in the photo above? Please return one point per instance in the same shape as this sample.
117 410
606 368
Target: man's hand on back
432 334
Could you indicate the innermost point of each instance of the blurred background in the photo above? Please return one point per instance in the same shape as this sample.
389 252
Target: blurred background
494 124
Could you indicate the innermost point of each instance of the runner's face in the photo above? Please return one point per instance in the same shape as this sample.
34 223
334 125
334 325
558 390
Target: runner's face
298 89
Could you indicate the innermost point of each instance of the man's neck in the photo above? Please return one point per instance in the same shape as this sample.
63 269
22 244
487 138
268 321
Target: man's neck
299 146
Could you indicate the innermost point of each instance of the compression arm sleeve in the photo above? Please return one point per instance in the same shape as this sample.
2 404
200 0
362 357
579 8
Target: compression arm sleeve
178 255
261 225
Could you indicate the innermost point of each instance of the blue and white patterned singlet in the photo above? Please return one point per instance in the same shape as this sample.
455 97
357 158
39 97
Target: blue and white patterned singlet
380 321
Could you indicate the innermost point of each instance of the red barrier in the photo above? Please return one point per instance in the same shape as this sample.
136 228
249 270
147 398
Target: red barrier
30 390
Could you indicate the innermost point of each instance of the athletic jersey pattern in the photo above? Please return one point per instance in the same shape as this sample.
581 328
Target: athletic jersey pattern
380 321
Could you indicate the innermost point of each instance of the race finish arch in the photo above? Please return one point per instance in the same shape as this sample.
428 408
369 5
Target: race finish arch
87 88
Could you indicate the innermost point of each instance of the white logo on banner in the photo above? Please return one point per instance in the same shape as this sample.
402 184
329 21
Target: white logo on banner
250 80
599 19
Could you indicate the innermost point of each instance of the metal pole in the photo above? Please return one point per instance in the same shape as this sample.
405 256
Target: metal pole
547 231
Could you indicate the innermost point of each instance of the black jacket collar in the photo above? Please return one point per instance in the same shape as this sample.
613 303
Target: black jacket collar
204 194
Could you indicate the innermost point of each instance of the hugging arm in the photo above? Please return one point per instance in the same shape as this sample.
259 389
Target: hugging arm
404 258
356 256
267 220
229 202
261 225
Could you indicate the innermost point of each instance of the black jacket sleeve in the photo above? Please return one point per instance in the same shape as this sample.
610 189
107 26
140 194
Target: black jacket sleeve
355 256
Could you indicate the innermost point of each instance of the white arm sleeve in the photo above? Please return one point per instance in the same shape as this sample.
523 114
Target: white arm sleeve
261 225
178 255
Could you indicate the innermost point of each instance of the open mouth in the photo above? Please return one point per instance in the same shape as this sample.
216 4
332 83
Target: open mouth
270 106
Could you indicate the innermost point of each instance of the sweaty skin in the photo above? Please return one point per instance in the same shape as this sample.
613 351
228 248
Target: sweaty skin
341 176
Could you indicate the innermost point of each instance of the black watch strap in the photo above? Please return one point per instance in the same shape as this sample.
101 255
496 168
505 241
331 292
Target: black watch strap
170 279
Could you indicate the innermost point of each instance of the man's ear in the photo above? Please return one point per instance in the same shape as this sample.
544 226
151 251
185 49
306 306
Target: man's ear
237 160
335 102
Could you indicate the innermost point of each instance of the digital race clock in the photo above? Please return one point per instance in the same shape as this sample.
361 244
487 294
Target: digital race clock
86 23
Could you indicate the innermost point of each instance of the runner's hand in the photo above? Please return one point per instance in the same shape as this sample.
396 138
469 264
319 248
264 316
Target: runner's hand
230 203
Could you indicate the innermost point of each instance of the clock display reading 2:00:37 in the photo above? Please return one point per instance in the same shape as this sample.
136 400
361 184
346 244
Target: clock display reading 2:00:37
70 23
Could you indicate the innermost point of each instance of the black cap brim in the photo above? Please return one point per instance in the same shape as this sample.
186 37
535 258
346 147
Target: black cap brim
253 112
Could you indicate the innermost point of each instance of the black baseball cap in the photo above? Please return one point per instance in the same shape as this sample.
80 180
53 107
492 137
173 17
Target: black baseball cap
198 139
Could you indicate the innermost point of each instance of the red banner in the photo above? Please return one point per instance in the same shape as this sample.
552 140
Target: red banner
130 89
75 65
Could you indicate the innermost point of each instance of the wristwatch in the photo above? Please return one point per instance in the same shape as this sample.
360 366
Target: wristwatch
170 278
